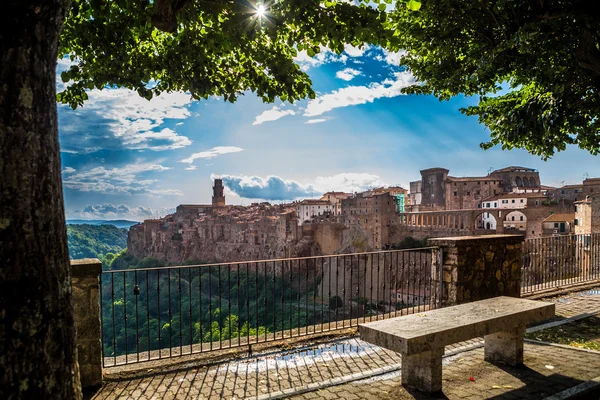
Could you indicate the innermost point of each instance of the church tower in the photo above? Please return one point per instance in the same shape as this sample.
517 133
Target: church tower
218 199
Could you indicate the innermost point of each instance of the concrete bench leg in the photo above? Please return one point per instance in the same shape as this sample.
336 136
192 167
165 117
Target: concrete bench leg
423 371
505 347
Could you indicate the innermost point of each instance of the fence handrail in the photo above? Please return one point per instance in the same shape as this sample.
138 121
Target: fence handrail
234 263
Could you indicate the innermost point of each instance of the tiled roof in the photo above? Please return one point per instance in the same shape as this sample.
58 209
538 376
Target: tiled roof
560 218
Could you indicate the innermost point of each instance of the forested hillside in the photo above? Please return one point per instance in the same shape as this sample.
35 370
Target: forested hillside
95 241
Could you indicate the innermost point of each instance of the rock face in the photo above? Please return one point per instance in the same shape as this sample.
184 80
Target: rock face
223 234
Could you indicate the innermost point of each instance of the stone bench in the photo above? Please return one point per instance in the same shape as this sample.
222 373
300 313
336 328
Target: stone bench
421 338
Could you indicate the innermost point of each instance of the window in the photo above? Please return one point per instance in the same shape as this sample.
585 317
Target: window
521 200
576 221
575 208
513 218
455 194
513 200
522 218
576 191
479 183
562 192
537 202
468 193
504 201
495 205
556 224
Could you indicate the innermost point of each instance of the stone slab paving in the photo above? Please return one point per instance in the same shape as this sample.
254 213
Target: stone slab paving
578 303
534 380
338 370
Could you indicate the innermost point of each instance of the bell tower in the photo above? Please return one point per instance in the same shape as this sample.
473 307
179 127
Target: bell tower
218 198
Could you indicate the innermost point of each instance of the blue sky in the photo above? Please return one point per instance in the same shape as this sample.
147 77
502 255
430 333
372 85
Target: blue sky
125 157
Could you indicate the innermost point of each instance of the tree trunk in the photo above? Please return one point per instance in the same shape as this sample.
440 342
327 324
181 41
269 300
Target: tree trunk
37 334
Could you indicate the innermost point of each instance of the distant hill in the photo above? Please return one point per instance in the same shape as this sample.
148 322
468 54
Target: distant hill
119 223
91 241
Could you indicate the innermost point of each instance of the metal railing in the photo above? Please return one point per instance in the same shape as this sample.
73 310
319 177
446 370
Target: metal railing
562 260
156 313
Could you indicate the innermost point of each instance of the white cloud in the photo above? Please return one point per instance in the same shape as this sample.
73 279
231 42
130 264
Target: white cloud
348 74
212 153
152 139
324 56
121 119
119 211
392 57
276 188
315 121
355 51
354 95
272 115
124 180
190 168
68 170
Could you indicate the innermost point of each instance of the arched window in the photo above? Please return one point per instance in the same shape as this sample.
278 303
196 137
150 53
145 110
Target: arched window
532 182
518 181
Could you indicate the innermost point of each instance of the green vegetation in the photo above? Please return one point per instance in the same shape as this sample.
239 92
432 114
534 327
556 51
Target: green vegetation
409 243
91 241
190 305
545 52
584 333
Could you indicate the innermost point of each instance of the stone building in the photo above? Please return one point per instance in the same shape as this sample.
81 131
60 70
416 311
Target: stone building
336 198
372 213
587 215
218 198
517 177
467 193
414 196
309 208
439 191
558 224
433 189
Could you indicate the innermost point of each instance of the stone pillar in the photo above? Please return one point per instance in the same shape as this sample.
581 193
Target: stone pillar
423 370
86 305
478 267
505 347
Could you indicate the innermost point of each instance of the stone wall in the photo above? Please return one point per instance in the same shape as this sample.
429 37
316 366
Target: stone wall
478 267
86 306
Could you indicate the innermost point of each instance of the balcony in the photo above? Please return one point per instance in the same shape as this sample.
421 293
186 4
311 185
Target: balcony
287 328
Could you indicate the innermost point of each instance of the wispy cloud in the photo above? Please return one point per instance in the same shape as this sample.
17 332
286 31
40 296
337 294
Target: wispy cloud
190 168
315 121
272 115
353 51
119 119
347 74
354 95
276 188
212 153
119 211
123 180
68 170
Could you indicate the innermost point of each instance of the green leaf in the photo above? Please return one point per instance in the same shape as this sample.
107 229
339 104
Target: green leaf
413 5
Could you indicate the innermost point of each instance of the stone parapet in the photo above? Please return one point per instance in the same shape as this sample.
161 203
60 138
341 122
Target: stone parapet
85 286
478 267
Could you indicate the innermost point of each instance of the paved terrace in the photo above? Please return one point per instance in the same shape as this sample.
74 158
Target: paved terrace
349 368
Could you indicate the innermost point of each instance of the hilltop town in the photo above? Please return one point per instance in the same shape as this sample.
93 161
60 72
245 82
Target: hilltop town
508 200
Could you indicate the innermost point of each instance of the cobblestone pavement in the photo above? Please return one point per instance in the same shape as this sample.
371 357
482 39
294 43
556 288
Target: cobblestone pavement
353 369
534 380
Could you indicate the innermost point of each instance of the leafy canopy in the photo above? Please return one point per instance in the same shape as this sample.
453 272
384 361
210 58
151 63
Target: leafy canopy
546 50
217 47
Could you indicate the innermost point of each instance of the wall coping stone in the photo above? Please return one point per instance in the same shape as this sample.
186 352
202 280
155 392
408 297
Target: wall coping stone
86 267
467 240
